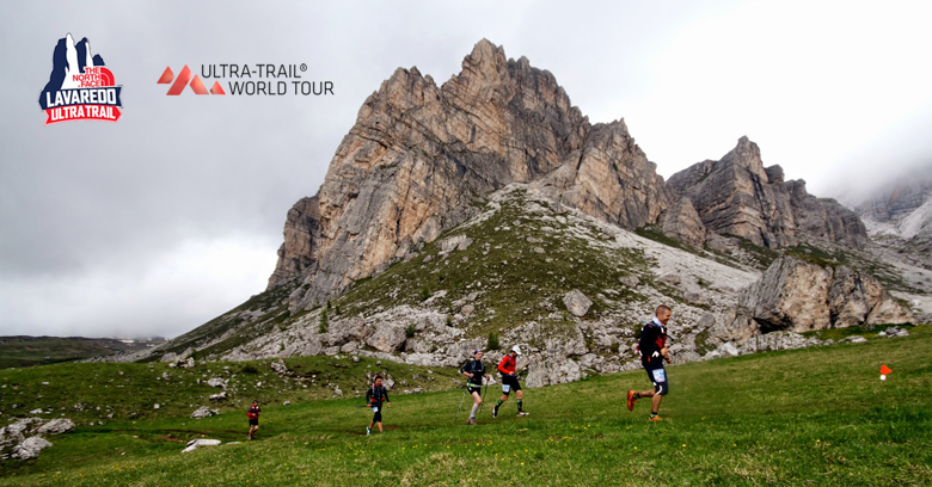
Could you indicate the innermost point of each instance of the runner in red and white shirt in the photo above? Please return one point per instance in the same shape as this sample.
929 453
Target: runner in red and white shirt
507 367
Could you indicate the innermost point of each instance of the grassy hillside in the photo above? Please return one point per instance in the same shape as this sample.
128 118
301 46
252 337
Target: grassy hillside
91 392
24 351
521 261
805 417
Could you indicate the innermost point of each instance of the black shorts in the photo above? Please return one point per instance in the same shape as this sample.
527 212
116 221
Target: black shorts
377 418
254 422
470 388
510 383
658 375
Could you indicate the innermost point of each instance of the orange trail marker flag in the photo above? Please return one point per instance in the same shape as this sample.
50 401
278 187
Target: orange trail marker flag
884 370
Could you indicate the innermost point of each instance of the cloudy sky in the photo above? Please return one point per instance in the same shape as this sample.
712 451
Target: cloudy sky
155 224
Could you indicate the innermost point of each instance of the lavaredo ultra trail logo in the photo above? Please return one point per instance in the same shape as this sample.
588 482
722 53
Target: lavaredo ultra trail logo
80 87
246 80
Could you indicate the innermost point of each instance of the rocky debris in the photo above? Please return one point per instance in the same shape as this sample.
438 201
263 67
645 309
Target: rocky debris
355 359
286 403
177 358
459 303
155 406
56 427
894 331
204 412
218 397
195 444
23 439
577 302
217 382
738 196
456 242
853 339
554 369
798 296
727 349
681 222
780 340
280 367
387 338
30 448
630 281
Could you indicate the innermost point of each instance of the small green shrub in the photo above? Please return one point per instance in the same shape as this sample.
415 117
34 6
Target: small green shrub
249 369
492 343
324 322
410 331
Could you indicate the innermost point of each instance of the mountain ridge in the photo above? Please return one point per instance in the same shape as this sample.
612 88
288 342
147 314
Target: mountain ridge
490 207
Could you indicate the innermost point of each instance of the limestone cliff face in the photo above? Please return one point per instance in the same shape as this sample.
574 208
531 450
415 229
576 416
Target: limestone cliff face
298 251
419 154
683 223
737 195
798 296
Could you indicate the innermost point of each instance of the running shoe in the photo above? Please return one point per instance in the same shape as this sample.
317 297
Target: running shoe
656 418
631 400
368 431
495 412
471 421
522 413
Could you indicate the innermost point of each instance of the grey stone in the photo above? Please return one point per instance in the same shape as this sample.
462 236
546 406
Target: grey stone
203 412
630 281
387 338
56 427
30 448
577 302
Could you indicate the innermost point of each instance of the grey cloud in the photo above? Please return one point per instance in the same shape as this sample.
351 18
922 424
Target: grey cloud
92 205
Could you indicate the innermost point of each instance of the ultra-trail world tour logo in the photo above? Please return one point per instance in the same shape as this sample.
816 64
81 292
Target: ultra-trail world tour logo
80 87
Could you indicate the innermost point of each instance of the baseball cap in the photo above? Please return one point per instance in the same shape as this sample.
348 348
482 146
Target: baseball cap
516 350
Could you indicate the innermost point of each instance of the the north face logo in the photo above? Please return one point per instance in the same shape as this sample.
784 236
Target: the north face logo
80 87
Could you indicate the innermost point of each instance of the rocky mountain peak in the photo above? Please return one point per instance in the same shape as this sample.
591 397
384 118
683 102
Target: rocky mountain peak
737 195
485 65
420 156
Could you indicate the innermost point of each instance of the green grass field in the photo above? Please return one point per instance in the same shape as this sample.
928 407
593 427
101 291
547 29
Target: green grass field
818 416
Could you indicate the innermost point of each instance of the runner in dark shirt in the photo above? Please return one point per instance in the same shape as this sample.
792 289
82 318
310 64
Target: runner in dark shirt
474 370
253 415
375 396
653 349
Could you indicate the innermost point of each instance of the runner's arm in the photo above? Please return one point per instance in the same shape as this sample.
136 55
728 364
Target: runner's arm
501 365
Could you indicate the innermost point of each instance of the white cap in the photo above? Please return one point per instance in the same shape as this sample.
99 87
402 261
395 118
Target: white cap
516 350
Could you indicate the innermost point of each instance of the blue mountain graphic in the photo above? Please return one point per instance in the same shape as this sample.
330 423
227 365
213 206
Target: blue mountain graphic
60 62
